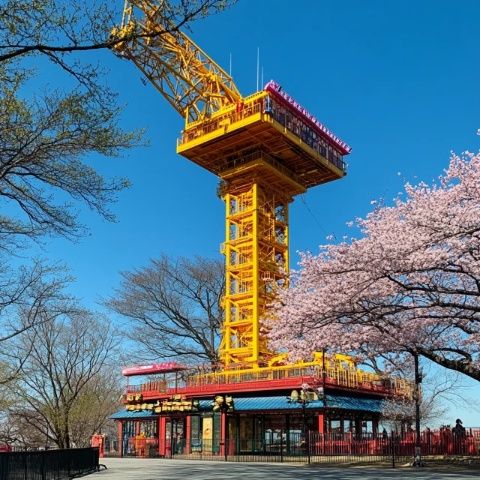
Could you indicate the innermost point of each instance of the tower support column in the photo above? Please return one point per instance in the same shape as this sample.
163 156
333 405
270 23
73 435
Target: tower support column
256 196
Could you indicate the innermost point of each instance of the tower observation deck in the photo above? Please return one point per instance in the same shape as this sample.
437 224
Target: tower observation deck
265 148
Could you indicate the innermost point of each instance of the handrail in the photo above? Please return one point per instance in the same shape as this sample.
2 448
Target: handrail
333 376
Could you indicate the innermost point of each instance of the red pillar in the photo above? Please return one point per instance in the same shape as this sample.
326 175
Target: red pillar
321 422
322 430
120 437
159 434
162 421
374 448
223 433
188 433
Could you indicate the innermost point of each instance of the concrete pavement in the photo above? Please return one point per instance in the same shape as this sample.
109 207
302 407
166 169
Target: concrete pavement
161 469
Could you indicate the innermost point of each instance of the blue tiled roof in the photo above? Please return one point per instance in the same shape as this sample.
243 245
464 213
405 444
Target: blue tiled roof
128 415
205 405
332 401
352 403
268 404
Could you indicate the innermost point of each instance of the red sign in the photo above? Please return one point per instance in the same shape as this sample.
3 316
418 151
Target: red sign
166 367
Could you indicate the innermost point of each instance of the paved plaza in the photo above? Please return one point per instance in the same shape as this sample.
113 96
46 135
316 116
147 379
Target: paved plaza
158 469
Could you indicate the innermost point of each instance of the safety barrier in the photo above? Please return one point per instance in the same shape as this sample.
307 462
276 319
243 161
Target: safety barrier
351 378
288 446
48 464
337 376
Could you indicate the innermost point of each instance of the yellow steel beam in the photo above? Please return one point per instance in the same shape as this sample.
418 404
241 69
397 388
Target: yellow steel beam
183 73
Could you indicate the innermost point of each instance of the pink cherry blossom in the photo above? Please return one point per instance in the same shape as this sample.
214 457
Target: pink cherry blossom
411 283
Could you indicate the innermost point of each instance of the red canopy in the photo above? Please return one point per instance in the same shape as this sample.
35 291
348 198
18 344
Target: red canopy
166 367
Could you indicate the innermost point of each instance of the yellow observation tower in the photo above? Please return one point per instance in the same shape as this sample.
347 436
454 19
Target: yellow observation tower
265 148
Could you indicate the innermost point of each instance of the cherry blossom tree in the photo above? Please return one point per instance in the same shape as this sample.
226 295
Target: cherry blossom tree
409 285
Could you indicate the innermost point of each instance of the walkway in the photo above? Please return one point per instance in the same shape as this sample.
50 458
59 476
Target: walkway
158 469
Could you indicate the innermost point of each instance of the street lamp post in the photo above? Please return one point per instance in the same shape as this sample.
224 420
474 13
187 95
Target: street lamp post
417 462
224 404
302 398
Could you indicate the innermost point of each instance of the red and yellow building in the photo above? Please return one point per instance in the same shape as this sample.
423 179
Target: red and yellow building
180 411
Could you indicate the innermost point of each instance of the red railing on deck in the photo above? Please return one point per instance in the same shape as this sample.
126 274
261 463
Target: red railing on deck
275 378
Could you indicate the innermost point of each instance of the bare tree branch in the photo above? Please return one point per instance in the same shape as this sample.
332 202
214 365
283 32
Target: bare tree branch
67 369
174 307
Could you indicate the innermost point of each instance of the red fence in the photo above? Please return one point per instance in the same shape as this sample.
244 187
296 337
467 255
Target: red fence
292 446
337 448
441 442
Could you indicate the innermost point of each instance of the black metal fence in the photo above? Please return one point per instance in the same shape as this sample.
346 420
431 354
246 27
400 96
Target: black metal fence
48 464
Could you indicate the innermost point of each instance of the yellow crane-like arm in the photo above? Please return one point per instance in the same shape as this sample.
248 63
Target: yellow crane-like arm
183 73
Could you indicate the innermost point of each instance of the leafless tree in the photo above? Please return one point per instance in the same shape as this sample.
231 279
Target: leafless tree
440 389
99 400
174 308
29 296
67 387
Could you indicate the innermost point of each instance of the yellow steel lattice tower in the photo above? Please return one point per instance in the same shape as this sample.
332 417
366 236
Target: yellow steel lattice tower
264 148
256 256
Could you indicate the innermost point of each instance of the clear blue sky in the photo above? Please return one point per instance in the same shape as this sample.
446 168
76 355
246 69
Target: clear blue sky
397 80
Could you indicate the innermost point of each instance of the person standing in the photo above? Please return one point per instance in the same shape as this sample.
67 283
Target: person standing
458 430
459 436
